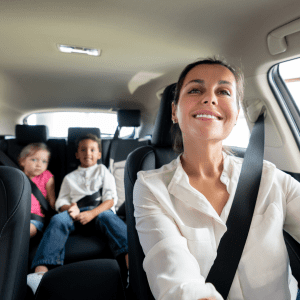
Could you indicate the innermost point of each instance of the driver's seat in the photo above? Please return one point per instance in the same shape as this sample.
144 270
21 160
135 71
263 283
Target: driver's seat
146 158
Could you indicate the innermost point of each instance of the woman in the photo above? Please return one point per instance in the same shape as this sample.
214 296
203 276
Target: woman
181 209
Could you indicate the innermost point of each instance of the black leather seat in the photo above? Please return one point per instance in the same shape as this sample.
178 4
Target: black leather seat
146 158
93 280
15 202
153 157
26 134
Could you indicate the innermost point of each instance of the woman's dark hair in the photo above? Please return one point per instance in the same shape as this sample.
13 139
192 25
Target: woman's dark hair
239 78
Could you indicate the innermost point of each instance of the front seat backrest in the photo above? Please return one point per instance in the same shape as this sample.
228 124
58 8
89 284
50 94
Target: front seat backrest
146 158
15 203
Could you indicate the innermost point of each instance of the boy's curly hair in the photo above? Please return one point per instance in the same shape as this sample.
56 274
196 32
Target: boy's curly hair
89 136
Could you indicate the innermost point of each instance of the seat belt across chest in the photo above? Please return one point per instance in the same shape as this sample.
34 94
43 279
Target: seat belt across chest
232 244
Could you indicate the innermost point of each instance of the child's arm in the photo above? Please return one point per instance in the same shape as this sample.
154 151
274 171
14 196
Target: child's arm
87 216
50 188
63 201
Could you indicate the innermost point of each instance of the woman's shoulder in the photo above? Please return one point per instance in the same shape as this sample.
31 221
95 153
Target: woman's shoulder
239 161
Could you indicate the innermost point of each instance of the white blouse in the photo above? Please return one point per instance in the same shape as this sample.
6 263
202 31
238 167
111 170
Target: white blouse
180 232
87 181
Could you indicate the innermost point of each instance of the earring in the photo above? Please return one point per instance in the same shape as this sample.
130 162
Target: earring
174 121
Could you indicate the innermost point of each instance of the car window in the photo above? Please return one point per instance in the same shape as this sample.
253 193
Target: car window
290 73
59 122
239 136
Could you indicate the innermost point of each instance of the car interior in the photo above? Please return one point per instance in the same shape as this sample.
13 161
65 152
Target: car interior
121 60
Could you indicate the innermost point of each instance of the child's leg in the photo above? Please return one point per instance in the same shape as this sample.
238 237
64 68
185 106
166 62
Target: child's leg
127 260
35 226
33 230
116 232
51 250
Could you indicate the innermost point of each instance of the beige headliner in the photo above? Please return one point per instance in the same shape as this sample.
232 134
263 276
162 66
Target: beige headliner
135 37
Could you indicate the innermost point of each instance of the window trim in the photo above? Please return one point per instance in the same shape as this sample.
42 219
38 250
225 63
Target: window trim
286 102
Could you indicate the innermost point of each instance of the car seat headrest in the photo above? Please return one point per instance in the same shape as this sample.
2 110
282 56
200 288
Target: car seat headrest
162 129
75 132
129 118
26 134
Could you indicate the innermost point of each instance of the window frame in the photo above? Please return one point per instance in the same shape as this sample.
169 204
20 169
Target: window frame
285 101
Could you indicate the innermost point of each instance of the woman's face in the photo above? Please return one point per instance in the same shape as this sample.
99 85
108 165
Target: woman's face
206 108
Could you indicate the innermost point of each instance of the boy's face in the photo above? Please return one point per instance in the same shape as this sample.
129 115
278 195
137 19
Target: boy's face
88 153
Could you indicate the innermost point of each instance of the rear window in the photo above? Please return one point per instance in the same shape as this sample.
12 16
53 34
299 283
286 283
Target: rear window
59 122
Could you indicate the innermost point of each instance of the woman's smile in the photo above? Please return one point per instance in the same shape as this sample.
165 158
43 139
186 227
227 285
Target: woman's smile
208 96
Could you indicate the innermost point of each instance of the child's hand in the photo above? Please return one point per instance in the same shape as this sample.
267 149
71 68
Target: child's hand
85 217
73 210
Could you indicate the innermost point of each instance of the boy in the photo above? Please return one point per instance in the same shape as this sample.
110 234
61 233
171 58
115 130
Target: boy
79 200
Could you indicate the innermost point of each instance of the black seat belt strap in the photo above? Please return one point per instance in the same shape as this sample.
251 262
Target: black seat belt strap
114 139
37 218
40 197
232 244
90 200
6 161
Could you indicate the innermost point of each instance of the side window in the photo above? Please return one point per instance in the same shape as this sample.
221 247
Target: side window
290 73
284 80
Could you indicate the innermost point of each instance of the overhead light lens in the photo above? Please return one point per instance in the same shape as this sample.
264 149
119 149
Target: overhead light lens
81 50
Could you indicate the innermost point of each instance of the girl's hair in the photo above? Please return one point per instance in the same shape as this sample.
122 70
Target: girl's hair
239 78
31 149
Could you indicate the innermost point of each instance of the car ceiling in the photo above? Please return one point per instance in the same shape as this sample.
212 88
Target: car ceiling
144 44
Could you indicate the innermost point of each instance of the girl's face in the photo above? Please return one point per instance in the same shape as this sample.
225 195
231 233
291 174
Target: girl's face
36 163
207 108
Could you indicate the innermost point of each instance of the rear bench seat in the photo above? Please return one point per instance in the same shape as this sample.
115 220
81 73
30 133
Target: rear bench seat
80 245
120 149
26 134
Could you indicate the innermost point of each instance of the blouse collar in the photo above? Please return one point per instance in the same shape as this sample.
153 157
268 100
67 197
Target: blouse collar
181 188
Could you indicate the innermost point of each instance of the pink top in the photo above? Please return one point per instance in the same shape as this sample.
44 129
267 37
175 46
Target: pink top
40 181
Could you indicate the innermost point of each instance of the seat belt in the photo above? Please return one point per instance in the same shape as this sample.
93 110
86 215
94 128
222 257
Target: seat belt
231 246
115 138
90 200
7 161
39 196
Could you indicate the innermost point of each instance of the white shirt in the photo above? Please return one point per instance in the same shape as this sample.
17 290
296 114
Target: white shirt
87 181
180 231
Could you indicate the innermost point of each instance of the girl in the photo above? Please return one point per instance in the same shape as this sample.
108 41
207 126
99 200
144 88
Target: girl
33 160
